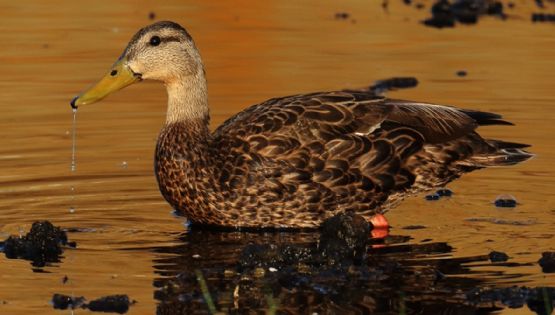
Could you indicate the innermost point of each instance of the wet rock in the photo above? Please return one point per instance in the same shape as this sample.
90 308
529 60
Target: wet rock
498 256
432 197
43 244
111 303
344 237
547 262
63 302
505 201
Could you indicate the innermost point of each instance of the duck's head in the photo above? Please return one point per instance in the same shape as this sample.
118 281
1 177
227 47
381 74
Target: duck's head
163 51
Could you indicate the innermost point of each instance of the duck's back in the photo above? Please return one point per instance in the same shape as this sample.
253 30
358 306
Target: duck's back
294 161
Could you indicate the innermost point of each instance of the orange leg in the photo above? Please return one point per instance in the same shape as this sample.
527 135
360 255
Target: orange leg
380 226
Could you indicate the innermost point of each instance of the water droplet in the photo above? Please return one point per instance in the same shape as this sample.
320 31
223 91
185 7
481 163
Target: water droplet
73 144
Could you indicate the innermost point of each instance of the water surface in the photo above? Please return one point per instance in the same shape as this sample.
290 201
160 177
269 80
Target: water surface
252 51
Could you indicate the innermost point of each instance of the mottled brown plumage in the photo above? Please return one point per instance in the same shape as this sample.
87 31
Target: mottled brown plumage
294 161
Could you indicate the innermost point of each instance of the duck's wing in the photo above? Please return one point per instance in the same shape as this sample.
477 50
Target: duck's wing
334 115
348 150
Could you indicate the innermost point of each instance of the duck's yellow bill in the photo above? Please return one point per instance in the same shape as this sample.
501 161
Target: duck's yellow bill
119 76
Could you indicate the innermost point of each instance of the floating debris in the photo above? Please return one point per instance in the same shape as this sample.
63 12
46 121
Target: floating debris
43 244
505 201
547 262
151 15
432 197
461 73
498 256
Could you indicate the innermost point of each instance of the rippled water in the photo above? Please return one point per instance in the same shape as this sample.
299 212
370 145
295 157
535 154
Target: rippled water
128 240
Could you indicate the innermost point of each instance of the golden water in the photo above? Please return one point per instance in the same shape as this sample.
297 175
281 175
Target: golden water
252 51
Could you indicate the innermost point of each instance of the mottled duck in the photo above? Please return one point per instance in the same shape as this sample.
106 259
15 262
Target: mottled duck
291 162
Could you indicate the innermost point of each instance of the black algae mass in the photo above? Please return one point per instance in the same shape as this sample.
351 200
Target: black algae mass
446 13
43 244
547 262
108 304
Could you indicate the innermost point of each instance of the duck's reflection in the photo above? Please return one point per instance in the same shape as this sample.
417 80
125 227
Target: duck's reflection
286 273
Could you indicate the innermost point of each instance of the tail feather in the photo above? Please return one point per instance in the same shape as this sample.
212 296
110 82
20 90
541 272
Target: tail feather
486 118
503 153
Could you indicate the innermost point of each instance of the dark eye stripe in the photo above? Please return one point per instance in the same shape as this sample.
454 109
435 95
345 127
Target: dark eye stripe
170 39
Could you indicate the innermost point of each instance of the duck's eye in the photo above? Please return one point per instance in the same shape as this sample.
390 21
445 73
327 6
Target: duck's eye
155 41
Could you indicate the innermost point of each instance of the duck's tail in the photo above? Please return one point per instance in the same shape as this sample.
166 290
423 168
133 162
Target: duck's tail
502 153
498 152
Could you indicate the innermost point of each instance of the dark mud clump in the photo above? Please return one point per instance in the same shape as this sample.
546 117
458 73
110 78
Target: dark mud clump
382 86
462 73
505 201
547 262
440 193
63 302
447 13
43 244
341 15
543 17
498 256
343 241
344 238
112 303
108 304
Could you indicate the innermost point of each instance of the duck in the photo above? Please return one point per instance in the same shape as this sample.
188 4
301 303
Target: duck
294 161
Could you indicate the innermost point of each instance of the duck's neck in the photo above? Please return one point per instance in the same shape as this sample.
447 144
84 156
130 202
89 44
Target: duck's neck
187 99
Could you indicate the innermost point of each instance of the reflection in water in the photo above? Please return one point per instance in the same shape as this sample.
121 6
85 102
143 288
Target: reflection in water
396 278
